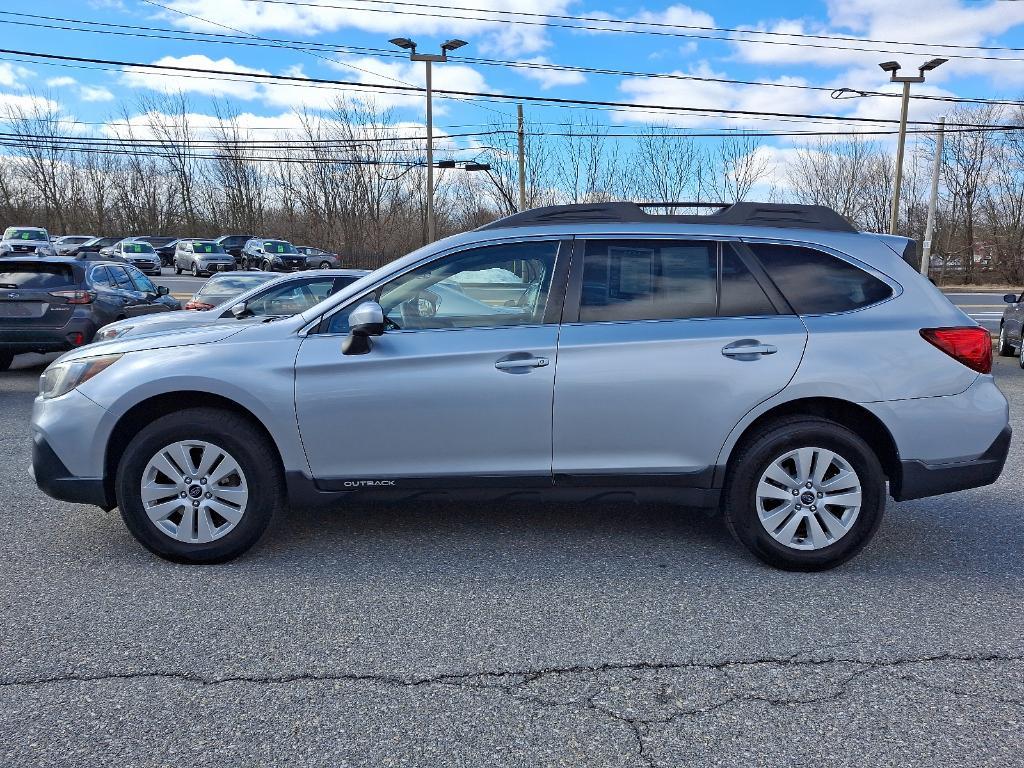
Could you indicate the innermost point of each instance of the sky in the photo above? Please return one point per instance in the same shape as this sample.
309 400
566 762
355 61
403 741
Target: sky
681 42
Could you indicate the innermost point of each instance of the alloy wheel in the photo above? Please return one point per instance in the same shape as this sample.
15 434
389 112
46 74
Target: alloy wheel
808 498
194 491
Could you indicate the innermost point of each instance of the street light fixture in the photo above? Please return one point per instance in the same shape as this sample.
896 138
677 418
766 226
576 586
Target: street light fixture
428 59
892 67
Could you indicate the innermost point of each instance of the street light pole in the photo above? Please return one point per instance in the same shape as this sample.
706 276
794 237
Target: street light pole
929 230
892 67
429 59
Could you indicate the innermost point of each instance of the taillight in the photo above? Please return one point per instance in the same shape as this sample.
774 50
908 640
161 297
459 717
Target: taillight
200 305
75 297
970 345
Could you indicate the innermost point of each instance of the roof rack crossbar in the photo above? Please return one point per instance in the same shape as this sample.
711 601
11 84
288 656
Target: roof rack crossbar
749 214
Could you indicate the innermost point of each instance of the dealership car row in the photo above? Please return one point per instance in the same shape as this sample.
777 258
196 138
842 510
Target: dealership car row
61 291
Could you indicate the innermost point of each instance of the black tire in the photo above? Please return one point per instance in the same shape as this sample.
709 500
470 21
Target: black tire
753 458
267 267
177 269
6 358
235 434
1004 347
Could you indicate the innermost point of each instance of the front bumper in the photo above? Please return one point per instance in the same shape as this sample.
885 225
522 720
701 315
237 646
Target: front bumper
919 479
56 480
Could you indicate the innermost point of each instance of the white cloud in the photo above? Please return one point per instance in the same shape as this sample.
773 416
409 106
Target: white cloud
27 103
60 82
487 32
192 82
95 93
551 78
13 76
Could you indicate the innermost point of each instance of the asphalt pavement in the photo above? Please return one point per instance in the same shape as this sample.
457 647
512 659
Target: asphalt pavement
508 635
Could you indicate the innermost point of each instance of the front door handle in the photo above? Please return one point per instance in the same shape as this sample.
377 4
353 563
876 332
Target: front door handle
522 362
748 349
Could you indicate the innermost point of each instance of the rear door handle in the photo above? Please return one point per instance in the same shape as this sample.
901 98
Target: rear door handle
523 362
751 348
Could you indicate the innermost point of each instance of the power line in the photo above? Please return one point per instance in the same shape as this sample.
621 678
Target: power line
392 11
312 48
658 24
311 81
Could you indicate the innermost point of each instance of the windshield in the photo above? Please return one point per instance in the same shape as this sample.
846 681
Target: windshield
278 246
138 248
73 240
25 234
198 247
226 287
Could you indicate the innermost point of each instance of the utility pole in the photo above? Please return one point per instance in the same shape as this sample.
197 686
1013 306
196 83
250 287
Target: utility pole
429 58
522 158
892 67
929 231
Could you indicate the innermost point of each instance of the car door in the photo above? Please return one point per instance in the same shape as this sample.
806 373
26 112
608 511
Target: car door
150 297
665 345
456 387
131 299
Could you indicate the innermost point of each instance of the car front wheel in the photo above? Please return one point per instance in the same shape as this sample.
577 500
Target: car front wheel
804 494
325 265
199 485
267 267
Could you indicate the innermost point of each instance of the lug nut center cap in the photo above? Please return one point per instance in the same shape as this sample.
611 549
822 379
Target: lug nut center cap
195 492
807 497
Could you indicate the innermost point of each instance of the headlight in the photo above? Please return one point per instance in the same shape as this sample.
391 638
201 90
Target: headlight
111 332
278 260
61 378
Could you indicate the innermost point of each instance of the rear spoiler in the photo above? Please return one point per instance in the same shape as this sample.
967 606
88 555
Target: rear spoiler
904 247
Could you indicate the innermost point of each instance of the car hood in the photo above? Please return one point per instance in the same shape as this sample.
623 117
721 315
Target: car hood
19 241
175 337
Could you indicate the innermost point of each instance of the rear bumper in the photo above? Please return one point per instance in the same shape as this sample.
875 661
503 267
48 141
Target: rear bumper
18 340
919 479
56 481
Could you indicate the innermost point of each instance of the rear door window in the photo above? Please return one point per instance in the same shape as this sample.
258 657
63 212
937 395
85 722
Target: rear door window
649 280
742 295
817 283
35 276
121 278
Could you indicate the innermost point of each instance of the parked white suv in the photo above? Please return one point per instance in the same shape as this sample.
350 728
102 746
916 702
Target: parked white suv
767 361
18 241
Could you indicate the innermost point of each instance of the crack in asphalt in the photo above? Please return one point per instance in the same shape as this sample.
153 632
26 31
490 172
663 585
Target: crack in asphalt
515 683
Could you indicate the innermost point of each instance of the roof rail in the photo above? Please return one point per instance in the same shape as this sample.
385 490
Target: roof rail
780 215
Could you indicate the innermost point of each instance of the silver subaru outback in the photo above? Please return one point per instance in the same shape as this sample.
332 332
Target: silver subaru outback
765 360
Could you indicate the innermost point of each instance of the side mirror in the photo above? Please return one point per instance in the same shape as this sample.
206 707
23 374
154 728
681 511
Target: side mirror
240 310
162 290
365 321
1010 298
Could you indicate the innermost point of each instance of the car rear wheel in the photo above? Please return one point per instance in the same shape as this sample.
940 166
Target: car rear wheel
325 265
198 486
6 358
195 269
177 269
804 494
1004 346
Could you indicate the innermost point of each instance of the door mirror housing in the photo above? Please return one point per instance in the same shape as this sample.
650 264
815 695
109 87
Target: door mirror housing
162 290
1010 298
240 310
364 321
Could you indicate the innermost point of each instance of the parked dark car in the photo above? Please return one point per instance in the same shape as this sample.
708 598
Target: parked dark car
226 285
159 242
234 244
1011 327
318 258
140 254
56 303
201 257
93 245
272 256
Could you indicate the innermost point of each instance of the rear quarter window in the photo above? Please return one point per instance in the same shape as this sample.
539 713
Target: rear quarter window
817 283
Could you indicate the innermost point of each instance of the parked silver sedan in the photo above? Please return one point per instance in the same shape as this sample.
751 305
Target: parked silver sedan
280 297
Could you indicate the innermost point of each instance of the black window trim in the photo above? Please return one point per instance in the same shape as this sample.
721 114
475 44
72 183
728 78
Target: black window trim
556 292
574 290
853 261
